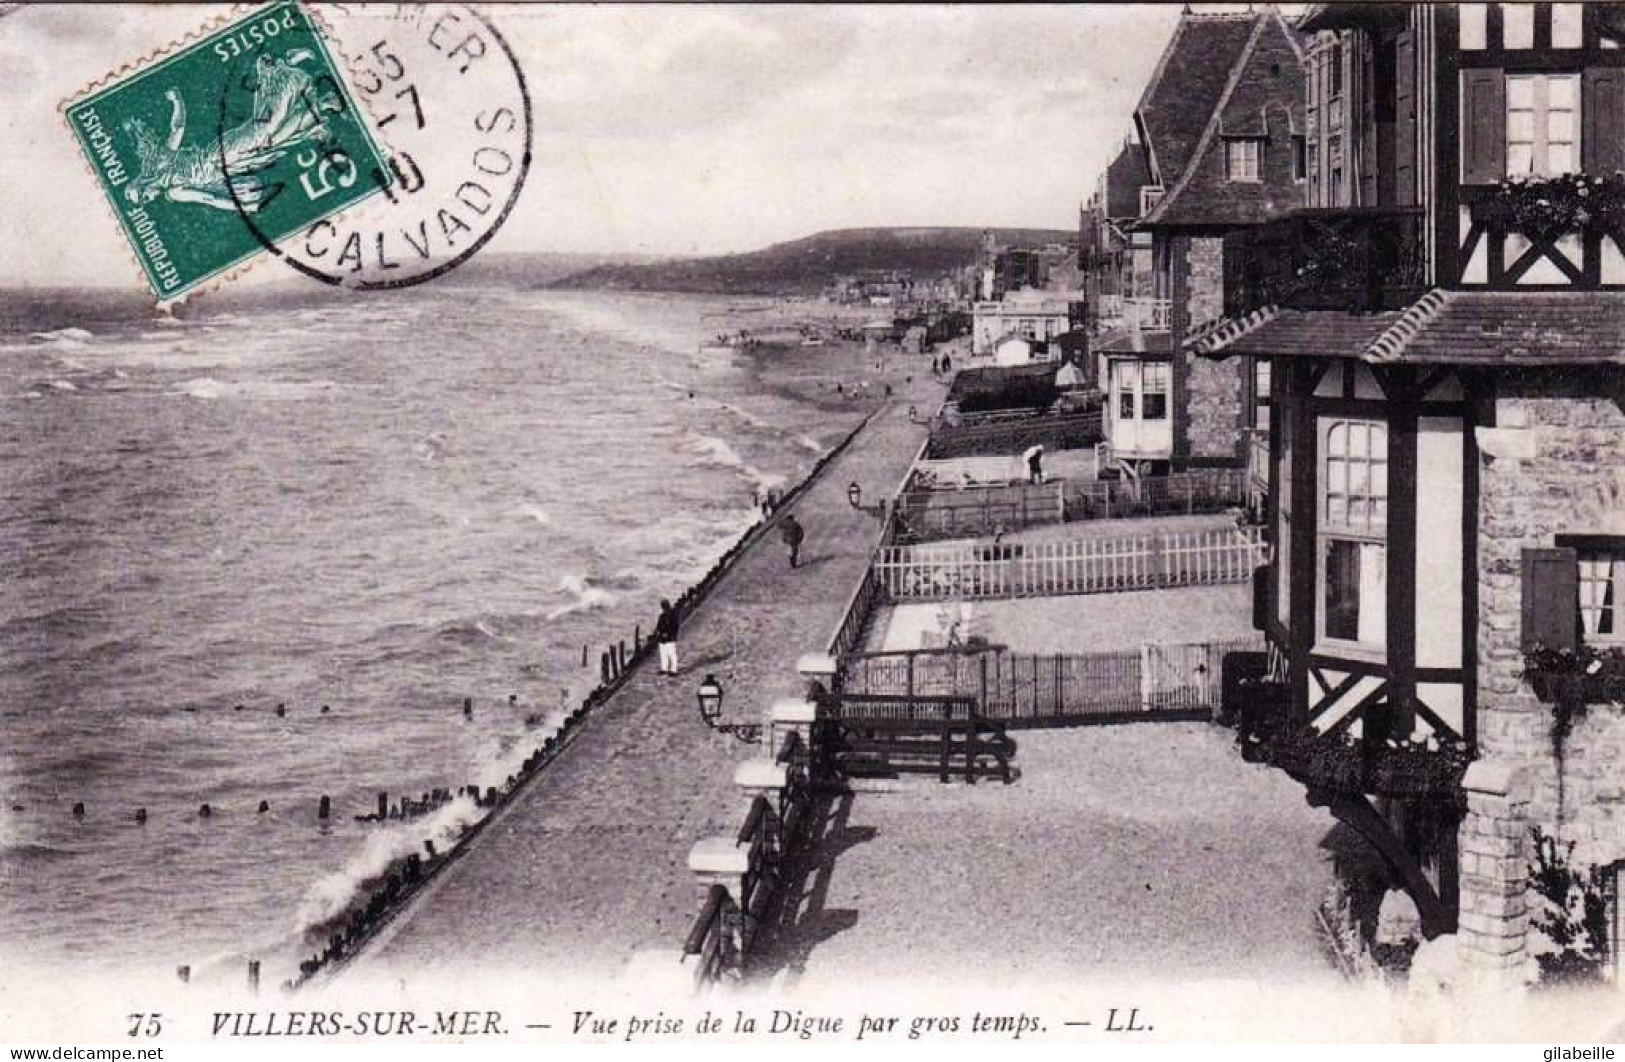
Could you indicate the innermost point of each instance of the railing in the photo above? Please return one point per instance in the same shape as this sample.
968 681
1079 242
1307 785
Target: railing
1014 434
854 623
929 508
1153 315
1051 689
1352 258
884 735
713 942
1085 566
720 939
1199 491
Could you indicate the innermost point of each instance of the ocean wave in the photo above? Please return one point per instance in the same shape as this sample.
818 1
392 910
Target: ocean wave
535 512
332 895
69 337
25 853
209 388
64 385
471 633
586 596
720 452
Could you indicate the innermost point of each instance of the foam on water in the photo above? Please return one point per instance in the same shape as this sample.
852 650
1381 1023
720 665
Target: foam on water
429 511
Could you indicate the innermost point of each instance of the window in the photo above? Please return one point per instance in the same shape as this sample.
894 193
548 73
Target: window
1281 483
1568 26
1472 20
1300 158
1334 71
1156 391
1241 159
1602 588
1518 25
1353 533
1543 124
1128 385
1150 196
1261 394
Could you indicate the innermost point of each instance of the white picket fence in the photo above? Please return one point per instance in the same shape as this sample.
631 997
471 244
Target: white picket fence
966 571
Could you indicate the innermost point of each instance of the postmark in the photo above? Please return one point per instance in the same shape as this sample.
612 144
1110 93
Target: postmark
448 99
181 182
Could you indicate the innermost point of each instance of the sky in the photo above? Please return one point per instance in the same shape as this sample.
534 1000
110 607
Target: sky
683 129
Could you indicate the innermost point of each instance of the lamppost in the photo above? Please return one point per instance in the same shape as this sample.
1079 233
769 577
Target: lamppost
854 495
710 697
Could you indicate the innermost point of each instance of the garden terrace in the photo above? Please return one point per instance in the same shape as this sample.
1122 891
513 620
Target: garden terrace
1014 432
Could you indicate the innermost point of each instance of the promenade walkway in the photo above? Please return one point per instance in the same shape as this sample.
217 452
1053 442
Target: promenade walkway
588 864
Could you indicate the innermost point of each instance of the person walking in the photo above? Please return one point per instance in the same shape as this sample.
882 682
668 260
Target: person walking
1035 464
666 637
792 533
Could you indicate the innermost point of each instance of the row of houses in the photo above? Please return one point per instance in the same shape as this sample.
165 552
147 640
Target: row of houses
1380 249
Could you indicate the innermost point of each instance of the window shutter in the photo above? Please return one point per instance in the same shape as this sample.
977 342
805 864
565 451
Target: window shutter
1483 126
1551 598
1405 120
1262 582
1602 136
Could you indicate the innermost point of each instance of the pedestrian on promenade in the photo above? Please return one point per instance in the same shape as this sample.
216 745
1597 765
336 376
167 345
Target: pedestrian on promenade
947 363
792 533
1035 464
666 637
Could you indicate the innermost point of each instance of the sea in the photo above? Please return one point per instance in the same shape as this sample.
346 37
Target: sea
364 509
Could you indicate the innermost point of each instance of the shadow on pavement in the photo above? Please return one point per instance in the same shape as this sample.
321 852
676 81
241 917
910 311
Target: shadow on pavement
798 920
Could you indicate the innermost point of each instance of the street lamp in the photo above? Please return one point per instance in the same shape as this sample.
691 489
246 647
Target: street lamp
710 697
854 494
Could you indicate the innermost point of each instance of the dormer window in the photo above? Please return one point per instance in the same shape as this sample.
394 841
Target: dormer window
1150 196
1241 158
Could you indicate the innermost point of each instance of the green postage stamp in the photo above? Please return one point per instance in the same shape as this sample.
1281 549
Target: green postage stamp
227 144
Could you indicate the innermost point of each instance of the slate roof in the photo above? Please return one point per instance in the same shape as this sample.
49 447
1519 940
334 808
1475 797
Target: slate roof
1441 328
1188 81
1262 97
1124 178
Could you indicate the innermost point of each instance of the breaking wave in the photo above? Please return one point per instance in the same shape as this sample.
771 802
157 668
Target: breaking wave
720 452
586 596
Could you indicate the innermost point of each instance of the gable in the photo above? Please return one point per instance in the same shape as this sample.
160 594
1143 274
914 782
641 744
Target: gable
1187 84
1262 99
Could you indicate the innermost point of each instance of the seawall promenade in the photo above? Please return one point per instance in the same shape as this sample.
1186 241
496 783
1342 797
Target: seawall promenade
586 866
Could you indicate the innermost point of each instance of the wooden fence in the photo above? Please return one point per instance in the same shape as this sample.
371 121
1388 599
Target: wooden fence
928 509
1199 491
1052 689
1007 435
967 571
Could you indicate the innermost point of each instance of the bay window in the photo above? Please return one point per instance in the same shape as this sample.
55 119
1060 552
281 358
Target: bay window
1353 532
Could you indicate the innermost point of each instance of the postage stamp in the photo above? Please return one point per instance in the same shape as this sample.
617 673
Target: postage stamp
253 120
443 87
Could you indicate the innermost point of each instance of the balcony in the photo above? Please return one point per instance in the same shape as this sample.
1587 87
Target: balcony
1271 732
1354 259
1153 315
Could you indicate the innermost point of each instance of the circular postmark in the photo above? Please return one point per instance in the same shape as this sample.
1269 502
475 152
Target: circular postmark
447 124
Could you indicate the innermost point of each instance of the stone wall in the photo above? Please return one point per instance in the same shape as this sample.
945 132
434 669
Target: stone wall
1554 464
1213 394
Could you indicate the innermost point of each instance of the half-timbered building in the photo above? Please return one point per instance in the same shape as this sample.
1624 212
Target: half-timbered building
1446 322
